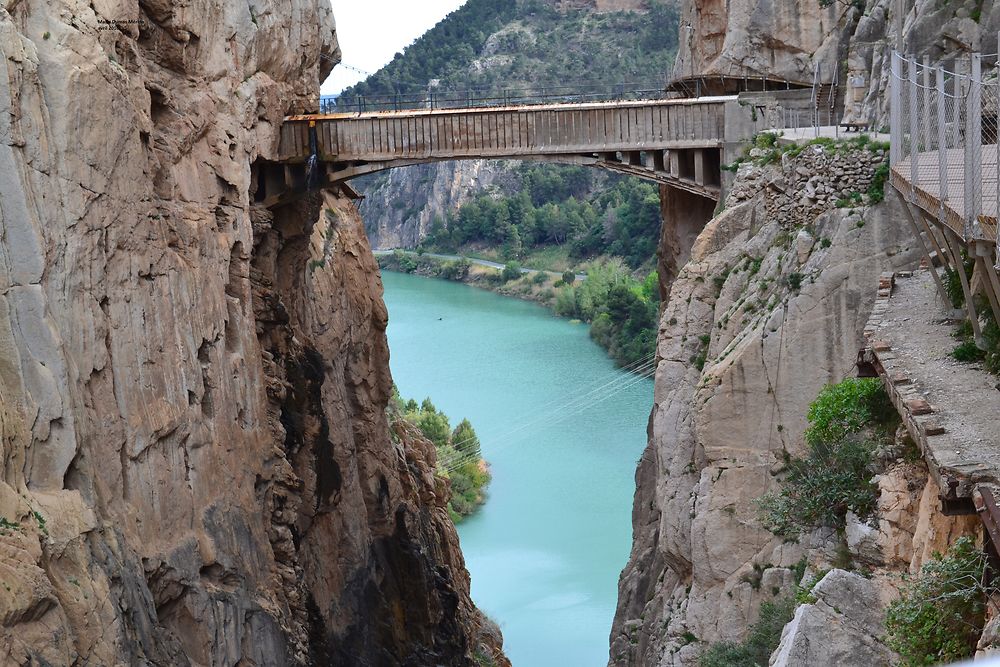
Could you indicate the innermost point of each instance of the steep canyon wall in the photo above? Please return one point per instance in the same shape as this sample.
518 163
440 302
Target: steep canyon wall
196 463
701 564
720 433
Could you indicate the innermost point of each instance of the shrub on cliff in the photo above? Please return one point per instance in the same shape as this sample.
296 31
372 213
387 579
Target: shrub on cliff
941 612
847 423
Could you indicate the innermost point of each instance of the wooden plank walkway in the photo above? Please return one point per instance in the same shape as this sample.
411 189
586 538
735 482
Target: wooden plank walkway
951 209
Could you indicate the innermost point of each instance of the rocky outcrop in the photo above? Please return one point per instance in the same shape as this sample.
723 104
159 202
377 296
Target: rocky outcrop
783 40
603 5
843 626
197 467
788 40
767 311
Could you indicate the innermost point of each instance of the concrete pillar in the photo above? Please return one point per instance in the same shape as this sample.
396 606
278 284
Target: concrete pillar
684 216
699 166
675 162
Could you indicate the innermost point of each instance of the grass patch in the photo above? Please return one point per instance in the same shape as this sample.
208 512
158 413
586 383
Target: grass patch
968 352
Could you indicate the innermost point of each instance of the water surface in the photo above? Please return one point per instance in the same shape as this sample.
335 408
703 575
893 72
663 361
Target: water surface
546 549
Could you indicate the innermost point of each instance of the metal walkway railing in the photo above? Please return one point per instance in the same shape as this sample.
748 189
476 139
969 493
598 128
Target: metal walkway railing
944 147
944 158
472 98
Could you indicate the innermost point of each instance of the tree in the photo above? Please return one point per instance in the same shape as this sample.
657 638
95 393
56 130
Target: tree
464 438
434 426
513 247
568 277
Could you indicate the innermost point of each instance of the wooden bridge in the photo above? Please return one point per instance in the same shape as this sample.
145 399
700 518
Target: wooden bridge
682 143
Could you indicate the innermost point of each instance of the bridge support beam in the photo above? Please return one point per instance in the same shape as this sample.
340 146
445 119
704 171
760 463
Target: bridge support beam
970 306
684 216
923 247
984 254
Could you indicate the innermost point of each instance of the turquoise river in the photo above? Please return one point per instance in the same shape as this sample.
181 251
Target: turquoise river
562 430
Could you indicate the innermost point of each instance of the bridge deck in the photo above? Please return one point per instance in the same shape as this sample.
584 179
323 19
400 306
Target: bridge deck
950 209
498 132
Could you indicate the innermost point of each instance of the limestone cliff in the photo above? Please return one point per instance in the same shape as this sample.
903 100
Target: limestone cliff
768 343
789 39
196 463
783 39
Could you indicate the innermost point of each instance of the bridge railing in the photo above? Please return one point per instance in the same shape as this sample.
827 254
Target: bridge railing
944 140
482 97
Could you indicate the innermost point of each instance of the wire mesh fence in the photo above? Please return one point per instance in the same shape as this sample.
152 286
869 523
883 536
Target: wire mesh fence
944 141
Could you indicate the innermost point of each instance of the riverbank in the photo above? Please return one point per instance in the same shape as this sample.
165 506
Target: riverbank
622 311
530 284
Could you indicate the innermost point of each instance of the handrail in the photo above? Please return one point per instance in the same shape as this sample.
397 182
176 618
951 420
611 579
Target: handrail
943 130
472 98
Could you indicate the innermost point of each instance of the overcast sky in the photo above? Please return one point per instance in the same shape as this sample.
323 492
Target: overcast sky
372 31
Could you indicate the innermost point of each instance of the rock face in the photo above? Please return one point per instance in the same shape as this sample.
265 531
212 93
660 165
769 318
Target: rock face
783 39
400 205
772 319
842 627
788 39
197 467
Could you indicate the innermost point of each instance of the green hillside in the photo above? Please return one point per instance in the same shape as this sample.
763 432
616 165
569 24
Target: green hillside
489 44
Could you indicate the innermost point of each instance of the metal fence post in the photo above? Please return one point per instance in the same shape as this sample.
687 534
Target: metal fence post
942 138
914 110
927 102
973 148
895 100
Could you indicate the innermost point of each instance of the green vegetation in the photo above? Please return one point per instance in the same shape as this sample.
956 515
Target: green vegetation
762 639
484 659
953 281
848 422
622 311
941 612
553 208
967 350
459 458
537 45
512 271
40 520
